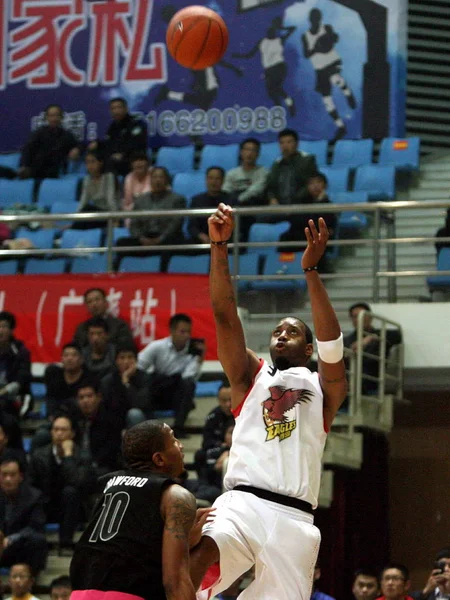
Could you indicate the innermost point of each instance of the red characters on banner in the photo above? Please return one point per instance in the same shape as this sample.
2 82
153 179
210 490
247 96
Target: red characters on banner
40 45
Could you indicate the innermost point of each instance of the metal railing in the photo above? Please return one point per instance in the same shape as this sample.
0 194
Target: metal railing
383 213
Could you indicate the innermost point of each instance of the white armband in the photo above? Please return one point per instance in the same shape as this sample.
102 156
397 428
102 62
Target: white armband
331 351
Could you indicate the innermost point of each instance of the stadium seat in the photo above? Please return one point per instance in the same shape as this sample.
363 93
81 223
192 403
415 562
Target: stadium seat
14 191
189 184
189 264
75 168
378 182
58 190
352 153
247 265
8 267
337 179
441 282
176 160
42 238
45 266
226 156
120 232
203 389
403 154
140 264
62 207
353 220
269 153
266 232
319 148
81 238
276 265
10 161
97 263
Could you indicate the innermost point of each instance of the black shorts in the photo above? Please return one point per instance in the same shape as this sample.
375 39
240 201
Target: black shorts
323 81
275 76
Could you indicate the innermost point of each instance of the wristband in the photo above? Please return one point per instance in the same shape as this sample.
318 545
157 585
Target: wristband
308 269
332 351
223 243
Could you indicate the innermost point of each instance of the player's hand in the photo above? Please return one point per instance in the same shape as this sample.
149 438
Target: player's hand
203 515
221 223
317 243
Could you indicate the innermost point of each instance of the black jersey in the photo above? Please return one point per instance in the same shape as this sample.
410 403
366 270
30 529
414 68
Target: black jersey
121 548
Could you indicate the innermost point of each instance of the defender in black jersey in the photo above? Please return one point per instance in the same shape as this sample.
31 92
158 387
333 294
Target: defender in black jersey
137 544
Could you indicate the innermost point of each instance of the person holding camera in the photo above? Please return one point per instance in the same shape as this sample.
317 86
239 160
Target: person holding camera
175 364
437 586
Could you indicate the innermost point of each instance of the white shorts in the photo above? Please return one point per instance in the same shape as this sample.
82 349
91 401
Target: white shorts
282 542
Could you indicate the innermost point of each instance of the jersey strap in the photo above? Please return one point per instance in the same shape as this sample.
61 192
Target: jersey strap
237 411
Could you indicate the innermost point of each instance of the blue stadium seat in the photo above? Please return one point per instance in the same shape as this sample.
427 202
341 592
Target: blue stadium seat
8 267
203 389
97 263
441 282
120 232
14 191
64 207
276 265
354 220
42 238
266 232
10 161
45 266
39 390
140 264
401 153
81 238
319 148
352 153
176 160
77 168
378 182
58 190
337 179
248 265
189 184
269 153
189 264
226 156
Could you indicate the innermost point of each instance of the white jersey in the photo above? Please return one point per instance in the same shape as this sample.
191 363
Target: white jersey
320 60
279 437
271 52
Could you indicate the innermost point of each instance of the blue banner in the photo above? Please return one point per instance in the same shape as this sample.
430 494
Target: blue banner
326 68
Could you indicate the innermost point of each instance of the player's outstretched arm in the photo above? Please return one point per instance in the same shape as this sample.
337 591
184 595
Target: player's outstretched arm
178 511
326 325
239 364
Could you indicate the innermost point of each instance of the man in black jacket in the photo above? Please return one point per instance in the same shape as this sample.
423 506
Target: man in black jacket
22 519
437 586
56 470
15 366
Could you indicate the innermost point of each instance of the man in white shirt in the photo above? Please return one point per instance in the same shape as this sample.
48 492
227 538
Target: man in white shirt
175 364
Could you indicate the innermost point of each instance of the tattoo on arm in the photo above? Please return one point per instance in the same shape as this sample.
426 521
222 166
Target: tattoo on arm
180 516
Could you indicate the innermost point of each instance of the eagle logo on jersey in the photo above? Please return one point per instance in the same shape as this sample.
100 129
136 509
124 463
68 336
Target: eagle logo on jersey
275 408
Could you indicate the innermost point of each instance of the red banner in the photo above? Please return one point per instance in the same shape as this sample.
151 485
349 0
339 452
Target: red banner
49 308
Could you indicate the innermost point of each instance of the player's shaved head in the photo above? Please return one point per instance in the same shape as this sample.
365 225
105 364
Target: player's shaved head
141 442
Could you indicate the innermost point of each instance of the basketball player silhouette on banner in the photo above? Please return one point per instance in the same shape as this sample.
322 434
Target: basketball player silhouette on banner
319 47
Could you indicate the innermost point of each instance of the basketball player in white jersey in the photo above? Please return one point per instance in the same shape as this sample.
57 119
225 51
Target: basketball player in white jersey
283 413
271 49
319 46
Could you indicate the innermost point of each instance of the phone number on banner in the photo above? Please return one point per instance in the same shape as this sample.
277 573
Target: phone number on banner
229 121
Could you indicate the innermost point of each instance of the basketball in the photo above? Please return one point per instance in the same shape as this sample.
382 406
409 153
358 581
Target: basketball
197 37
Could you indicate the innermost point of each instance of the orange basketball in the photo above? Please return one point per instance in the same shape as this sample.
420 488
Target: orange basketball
197 37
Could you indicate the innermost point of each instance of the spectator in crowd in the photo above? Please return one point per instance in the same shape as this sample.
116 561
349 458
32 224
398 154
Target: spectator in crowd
49 147
21 582
370 344
99 353
175 364
366 585
22 519
137 182
437 586
15 367
395 582
198 226
96 302
289 175
60 588
11 438
157 231
217 458
56 470
443 232
317 594
126 390
126 134
99 190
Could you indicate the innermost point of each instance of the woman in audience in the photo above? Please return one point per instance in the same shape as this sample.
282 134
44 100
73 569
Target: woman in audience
138 181
99 190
